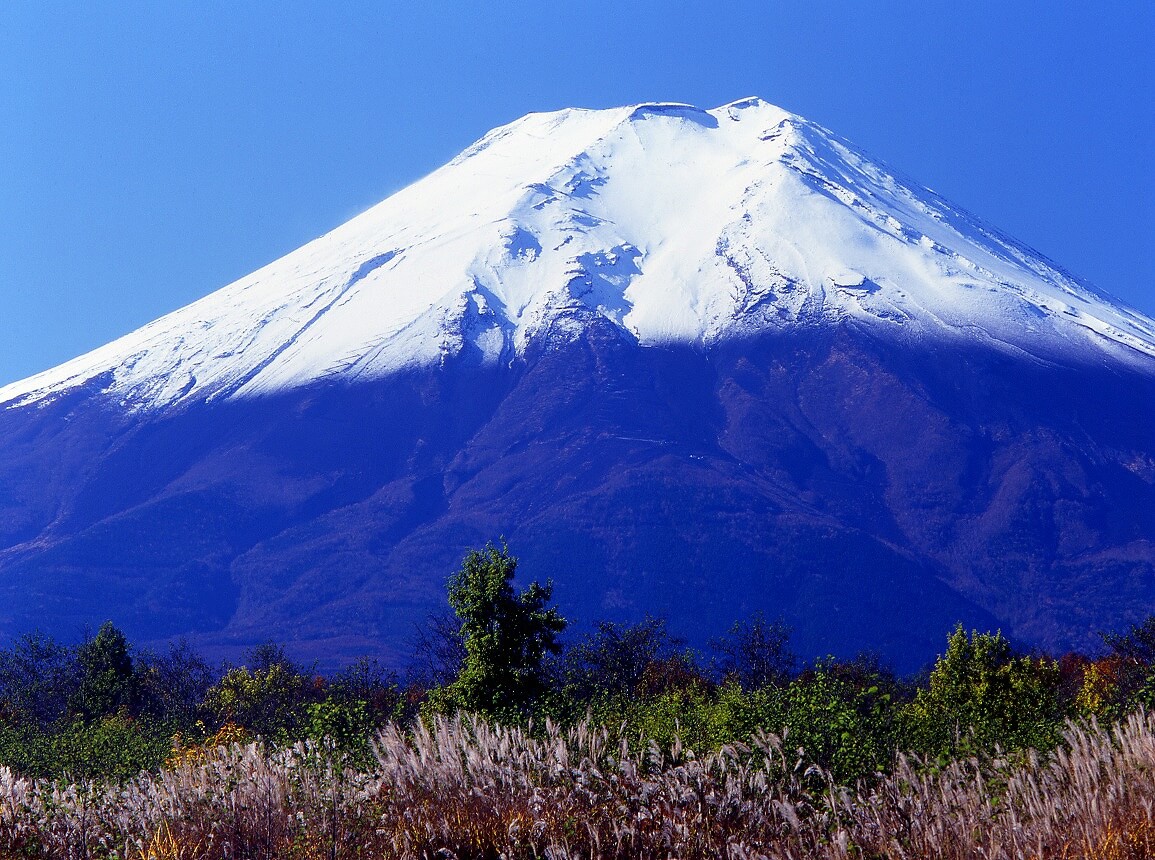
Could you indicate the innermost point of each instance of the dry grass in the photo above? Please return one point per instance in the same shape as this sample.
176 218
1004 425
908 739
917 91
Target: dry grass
463 789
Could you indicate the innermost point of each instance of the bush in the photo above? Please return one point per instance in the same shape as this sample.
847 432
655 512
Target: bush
115 747
981 694
269 699
847 727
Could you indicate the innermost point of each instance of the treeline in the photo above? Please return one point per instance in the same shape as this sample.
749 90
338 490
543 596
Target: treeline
106 709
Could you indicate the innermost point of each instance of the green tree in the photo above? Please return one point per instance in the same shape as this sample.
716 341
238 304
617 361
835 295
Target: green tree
612 659
506 635
107 681
981 694
269 698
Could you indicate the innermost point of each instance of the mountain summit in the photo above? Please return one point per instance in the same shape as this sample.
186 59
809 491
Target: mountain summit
689 362
676 224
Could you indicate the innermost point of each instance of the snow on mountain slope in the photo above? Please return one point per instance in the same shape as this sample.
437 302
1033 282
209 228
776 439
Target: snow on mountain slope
678 224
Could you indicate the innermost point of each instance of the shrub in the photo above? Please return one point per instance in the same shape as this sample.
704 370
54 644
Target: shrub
116 747
981 694
846 727
269 699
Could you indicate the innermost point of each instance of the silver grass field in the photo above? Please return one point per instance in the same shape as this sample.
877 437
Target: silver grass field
460 788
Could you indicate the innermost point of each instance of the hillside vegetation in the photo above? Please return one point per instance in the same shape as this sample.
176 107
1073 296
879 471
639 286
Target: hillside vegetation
504 740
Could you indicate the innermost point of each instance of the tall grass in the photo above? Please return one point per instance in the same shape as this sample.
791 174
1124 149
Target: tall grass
461 788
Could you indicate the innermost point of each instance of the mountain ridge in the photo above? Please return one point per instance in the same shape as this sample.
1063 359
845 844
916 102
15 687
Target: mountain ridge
692 363
791 227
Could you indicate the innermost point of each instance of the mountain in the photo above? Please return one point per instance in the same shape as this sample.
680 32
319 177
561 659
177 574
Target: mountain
688 362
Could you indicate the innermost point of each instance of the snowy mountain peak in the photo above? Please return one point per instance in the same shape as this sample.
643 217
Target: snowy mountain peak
677 224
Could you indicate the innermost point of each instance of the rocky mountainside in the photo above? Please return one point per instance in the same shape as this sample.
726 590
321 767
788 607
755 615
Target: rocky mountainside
693 363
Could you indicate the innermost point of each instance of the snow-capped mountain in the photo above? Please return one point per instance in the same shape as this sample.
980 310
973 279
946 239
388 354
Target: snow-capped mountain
688 362
678 225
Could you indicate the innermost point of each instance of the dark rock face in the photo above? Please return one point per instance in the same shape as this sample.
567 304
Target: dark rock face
871 494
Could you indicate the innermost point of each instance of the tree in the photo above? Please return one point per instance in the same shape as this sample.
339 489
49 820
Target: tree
756 653
506 635
438 650
268 696
173 685
107 680
1137 644
1125 678
38 679
613 659
981 694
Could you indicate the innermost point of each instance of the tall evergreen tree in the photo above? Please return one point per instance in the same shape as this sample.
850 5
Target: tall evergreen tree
107 682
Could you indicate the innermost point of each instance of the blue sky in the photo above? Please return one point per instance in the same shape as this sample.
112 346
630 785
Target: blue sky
153 152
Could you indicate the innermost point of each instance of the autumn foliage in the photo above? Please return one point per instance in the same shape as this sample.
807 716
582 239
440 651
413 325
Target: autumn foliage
621 743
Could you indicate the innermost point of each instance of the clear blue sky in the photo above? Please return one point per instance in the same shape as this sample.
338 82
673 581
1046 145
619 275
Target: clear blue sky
152 152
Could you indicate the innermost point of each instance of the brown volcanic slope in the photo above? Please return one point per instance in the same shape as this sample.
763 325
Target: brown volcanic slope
871 494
